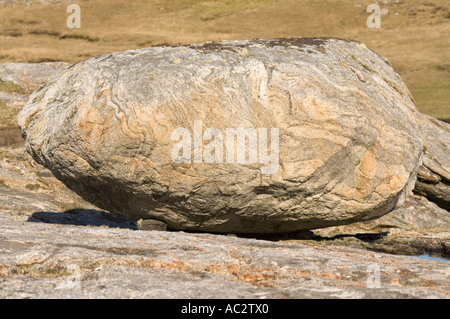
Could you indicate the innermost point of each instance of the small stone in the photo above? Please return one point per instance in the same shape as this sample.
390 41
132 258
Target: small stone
44 173
151 224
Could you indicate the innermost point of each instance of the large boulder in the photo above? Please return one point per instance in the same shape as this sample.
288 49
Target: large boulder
332 131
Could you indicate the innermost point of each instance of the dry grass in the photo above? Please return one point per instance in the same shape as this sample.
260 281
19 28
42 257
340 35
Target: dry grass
11 87
7 115
414 33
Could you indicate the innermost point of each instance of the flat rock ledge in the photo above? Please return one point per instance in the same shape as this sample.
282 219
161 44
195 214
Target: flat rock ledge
64 261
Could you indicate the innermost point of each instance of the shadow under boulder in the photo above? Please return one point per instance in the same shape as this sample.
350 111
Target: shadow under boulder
84 217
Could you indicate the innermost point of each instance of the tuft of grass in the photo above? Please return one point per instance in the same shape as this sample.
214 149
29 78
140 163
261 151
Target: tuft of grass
210 10
433 98
79 37
68 207
32 187
53 271
11 87
5 154
8 115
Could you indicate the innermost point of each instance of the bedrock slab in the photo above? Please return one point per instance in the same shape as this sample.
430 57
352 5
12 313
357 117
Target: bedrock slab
40 260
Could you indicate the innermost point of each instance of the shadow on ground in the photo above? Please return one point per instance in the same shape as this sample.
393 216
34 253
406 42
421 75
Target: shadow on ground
97 218
309 235
378 242
384 242
84 217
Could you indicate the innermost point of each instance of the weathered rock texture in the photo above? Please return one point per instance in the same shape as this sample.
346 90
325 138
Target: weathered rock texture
433 178
31 76
26 77
63 261
349 149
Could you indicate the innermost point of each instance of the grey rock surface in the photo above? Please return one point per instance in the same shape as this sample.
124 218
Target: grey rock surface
27 187
31 76
14 100
433 179
417 214
14 202
62 261
349 149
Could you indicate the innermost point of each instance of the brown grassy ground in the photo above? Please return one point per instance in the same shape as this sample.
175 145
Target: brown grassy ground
414 34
